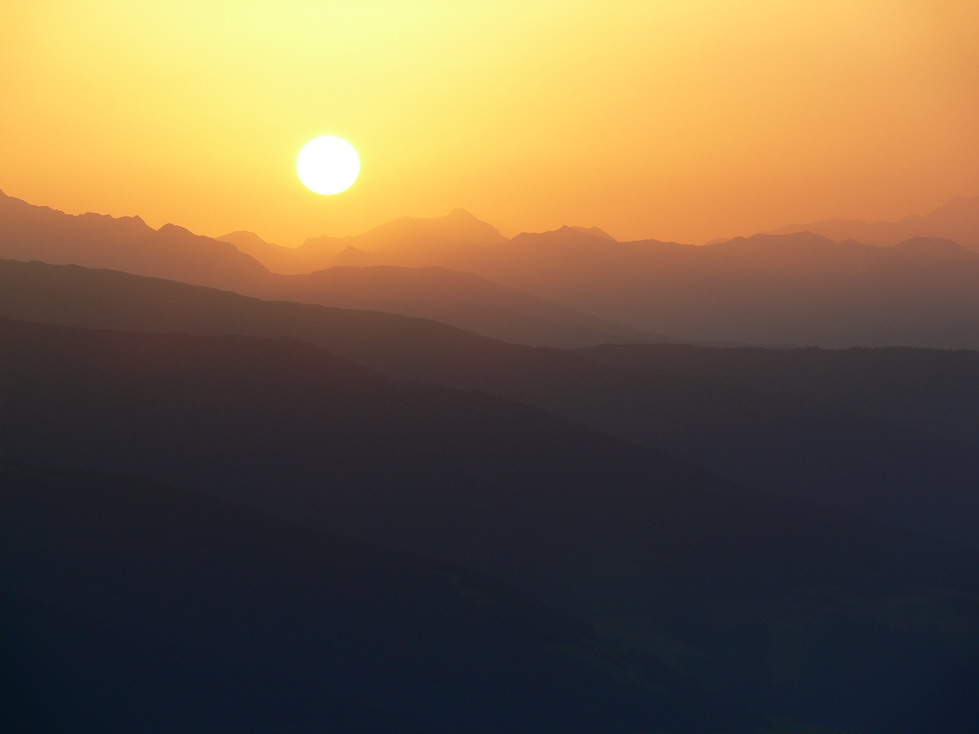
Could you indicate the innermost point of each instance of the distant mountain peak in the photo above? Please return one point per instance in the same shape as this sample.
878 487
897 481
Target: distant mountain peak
134 222
170 228
463 214
568 232
956 220
805 238
242 235
595 232
350 256
29 232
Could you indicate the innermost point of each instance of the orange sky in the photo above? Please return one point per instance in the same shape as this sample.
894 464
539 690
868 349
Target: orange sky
685 119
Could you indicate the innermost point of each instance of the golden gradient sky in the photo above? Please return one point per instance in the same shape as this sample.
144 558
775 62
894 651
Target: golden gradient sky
676 119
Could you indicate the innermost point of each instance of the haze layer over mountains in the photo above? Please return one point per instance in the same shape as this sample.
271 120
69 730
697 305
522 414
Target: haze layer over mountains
467 483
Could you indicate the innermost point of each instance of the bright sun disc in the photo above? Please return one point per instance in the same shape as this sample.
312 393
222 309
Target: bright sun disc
328 165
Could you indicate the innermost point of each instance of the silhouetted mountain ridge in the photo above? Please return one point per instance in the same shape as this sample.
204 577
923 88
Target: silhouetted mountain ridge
172 252
404 241
595 232
956 220
768 289
127 243
715 407
800 288
644 546
818 287
477 303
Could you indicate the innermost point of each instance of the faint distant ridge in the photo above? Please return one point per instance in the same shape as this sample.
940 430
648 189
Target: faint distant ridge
125 243
934 247
796 238
448 241
595 232
803 288
957 220
782 246
410 241
458 228
277 258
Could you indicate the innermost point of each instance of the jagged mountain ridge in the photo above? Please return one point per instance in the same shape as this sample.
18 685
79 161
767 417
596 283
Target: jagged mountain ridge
829 286
465 300
956 220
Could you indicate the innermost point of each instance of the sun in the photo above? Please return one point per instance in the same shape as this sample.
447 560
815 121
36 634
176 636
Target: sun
328 165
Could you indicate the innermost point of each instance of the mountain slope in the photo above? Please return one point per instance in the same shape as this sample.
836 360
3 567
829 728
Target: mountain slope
801 289
654 552
30 232
956 220
408 241
452 297
276 258
36 233
187 613
767 418
795 289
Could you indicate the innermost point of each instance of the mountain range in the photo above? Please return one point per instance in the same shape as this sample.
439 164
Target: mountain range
480 493
957 220
824 285
653 552
800 289
712 406
408 241
575 287
465 300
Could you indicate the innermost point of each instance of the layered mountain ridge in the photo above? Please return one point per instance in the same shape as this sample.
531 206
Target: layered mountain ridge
173 253
744 539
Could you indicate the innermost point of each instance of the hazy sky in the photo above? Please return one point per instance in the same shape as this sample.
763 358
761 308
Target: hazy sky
676 119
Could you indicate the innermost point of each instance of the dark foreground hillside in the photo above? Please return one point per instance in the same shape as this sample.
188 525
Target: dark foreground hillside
134 607
796 611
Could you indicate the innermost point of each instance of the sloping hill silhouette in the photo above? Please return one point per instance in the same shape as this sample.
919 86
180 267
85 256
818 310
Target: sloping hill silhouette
576 284
801 289
411 241
956 220
36 233
646 547
30 232
276 258
462 299
768 418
